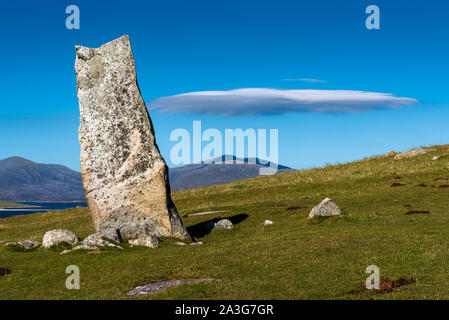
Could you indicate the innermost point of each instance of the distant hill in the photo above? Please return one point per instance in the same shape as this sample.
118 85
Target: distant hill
24 180
216 171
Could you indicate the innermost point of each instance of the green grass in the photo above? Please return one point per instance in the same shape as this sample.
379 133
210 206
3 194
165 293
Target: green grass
296 258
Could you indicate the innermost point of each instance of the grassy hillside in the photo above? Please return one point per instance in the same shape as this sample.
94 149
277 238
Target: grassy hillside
293 259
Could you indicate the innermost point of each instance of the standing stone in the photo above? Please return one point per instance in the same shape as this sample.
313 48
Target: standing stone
125 178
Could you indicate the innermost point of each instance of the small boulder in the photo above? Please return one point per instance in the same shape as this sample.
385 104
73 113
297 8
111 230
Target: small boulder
54 237
146 241
223 224
268 223
326 208
436 158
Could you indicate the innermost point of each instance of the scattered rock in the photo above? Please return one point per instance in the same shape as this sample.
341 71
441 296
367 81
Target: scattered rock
96 240
146 241
196 243
326 208
162 285
4 271
417 212
25 244
390 153
412 153
179 243
223 224
54 237
267 223
397 184
125 178
436 158
386 285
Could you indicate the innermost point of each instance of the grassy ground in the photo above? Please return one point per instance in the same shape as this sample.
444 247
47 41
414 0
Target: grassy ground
295 258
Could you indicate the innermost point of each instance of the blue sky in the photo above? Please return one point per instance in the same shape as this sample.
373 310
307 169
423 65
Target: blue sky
189 46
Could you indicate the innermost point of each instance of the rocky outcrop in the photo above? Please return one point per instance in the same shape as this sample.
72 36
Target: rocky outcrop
412 153
326 208
124 176
55 237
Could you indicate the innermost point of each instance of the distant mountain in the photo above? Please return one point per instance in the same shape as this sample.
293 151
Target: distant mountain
216 171
24 180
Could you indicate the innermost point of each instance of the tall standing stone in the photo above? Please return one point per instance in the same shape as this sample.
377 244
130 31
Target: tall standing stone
125 178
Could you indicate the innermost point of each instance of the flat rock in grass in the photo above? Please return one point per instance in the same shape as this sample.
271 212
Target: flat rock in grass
223 224
196 243
412 153
179 243
26 244
435 158
82 247
146 241
326 208
162 285
55 237
268 223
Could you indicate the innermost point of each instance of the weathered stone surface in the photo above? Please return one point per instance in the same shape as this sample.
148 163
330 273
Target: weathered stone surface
110 234
162 285
125 178
82 247
412 153
96 240
26 244
267 223
326 208
223 224
54 237
146 241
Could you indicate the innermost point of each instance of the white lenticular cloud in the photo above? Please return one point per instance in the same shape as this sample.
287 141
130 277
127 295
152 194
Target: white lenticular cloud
256 101
310 80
